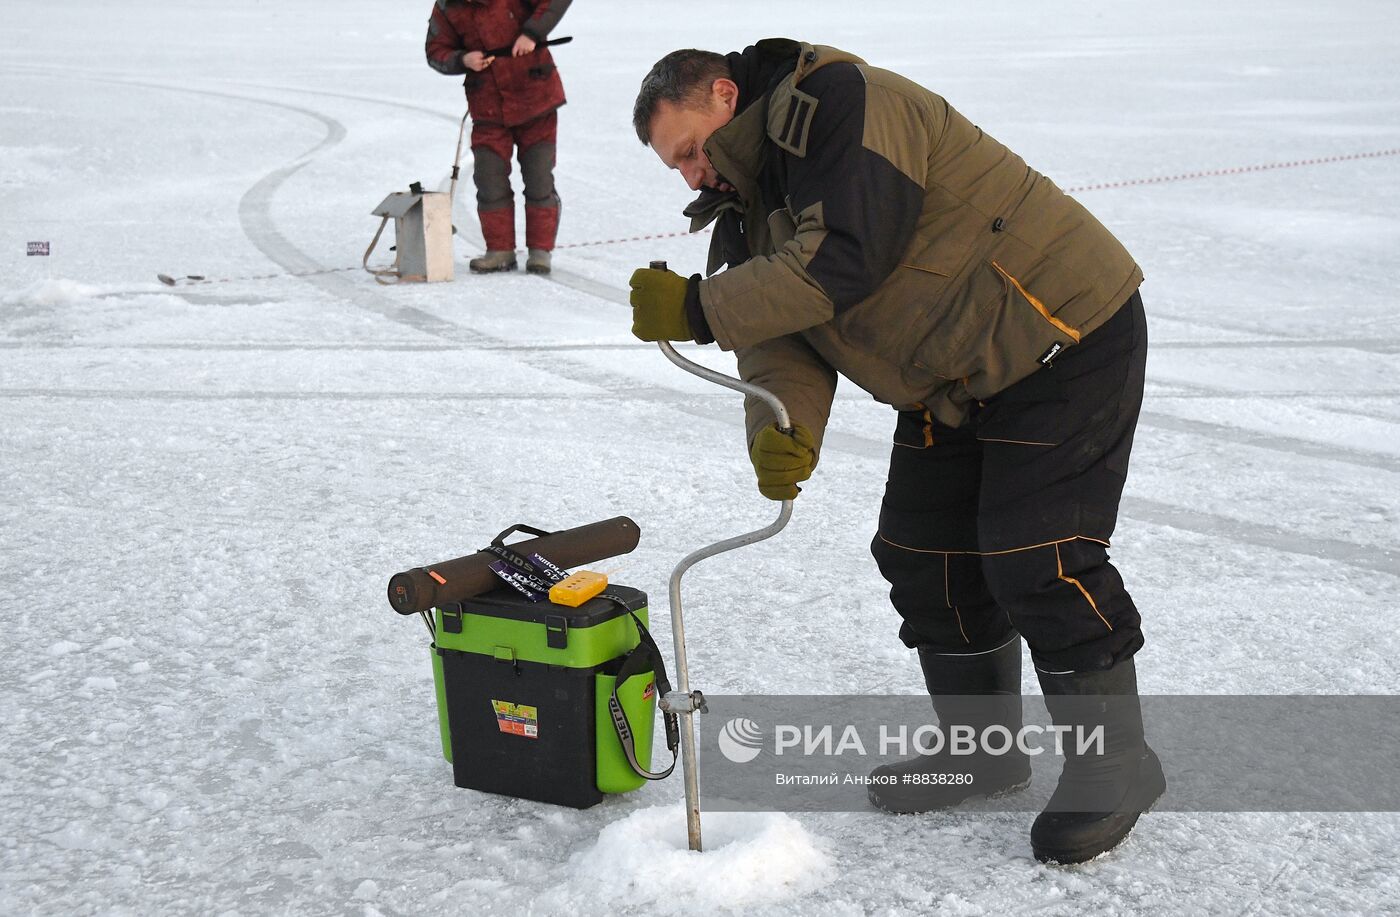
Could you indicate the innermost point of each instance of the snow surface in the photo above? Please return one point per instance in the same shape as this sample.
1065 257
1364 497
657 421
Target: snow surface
207 706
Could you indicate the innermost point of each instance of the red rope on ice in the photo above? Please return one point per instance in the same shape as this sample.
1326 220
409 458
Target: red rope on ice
1104 186
660 235
1236 170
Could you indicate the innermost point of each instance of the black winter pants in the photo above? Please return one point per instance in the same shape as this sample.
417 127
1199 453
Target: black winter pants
1002 525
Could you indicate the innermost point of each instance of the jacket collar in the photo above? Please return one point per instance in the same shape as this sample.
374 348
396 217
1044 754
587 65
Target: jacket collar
737 149
709 206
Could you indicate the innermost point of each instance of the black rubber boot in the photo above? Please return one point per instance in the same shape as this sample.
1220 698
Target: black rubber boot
940 780
1100 795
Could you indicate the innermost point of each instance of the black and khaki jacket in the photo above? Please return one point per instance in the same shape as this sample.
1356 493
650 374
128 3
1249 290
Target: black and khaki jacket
889 239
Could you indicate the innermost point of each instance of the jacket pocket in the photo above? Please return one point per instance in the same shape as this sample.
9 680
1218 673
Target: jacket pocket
1071 333
951 334
1021 336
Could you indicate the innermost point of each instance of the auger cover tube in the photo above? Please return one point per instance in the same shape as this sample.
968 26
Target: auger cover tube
435 585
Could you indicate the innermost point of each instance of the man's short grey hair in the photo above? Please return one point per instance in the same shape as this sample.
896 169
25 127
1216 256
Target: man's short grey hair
681 77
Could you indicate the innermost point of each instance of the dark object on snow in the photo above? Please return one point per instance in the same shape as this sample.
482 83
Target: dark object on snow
506 49
456 580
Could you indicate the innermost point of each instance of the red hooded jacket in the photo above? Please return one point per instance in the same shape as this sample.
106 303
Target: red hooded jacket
513 90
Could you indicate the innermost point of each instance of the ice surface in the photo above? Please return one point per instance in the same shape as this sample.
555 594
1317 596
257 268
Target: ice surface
206 705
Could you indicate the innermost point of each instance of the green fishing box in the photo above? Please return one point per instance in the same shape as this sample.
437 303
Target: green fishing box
523 689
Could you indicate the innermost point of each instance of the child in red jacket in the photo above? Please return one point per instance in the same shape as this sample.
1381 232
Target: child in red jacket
514 103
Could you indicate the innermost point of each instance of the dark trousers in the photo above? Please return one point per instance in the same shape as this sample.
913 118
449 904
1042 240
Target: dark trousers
1002 525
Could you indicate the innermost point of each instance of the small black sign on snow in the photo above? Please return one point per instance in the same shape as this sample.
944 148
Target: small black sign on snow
37 248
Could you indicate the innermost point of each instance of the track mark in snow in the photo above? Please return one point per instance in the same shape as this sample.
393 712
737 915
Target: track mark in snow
590 286
1369 346
255 208
631 396
330 346
1240 531
396 104
1288 445
1189 390
1381 560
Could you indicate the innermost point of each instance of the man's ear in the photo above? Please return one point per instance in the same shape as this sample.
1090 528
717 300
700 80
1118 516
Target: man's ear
727 92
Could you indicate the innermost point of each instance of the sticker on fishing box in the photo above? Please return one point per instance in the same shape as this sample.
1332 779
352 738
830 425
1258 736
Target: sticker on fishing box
527 584
649 691
517 719
552 570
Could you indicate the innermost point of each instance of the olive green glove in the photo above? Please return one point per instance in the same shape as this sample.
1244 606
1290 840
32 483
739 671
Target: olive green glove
782 459
658 306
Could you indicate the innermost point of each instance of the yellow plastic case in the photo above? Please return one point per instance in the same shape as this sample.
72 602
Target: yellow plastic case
577 588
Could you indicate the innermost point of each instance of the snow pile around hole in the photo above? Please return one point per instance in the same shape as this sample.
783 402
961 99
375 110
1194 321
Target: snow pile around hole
57 292
749 859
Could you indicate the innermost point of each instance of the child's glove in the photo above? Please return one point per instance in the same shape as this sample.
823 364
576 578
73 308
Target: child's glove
658 306
782 459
